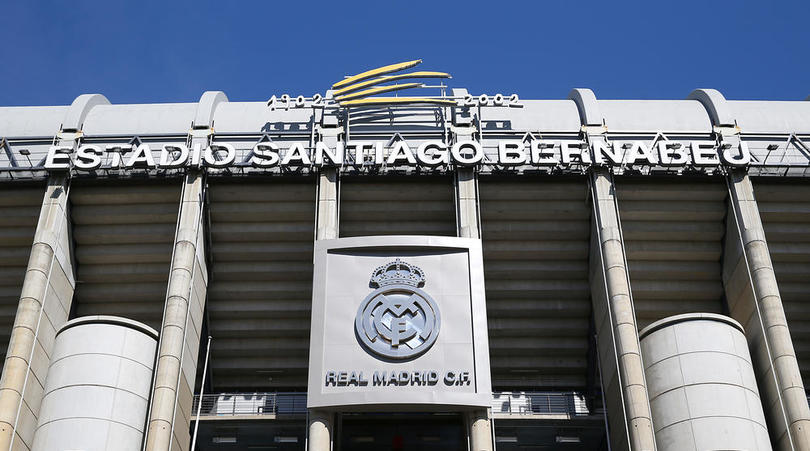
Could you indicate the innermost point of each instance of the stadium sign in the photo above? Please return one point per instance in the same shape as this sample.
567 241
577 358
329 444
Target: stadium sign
432 153
419 337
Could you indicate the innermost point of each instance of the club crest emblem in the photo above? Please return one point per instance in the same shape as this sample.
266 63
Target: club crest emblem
398 320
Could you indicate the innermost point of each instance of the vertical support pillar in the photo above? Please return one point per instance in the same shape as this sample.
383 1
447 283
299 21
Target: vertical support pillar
178 348
478 422
319 435
467 221
753 297
467 203
479 427
44 306
623 379
327 131
176 369
46 298
320 427
327 204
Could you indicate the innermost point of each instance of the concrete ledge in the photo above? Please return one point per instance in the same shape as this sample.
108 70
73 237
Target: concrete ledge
106 319
689 317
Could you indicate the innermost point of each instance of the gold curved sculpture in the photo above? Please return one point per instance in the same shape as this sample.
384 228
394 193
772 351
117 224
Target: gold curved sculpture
385 78
378 90
397 101
375 72
350 91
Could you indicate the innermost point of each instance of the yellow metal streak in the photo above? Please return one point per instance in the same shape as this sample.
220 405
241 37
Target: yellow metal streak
397 101
374 72
383 79
378 90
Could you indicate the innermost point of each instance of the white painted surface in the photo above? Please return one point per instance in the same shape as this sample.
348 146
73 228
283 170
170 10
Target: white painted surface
701 383
97 389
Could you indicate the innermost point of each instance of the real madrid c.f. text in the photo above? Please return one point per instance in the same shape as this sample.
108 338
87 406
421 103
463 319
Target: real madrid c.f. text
397 321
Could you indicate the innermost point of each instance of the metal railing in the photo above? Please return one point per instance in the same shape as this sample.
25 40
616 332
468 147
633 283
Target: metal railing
239 404
564 404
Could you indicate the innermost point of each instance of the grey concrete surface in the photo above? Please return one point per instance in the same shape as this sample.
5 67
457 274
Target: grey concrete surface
703 391
319 435
480 431
620 357
97 391
754 300
170 411
45 301
328 186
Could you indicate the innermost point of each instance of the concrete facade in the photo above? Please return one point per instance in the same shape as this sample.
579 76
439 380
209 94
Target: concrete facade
702 387
616 329
176 368
754 301
44 304
578 255
98 387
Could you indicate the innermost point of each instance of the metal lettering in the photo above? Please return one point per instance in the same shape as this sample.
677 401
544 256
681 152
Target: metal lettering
212 151
511 152
401 154
141 156
467 153
432 153
265 154
88 157
703 154
168 158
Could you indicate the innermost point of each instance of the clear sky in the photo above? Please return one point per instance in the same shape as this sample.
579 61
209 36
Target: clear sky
173 51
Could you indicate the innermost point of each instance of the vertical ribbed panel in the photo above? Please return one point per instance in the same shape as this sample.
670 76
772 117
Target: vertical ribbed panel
260 292
785 212
673 235
19 211
123 236
397 206
535 236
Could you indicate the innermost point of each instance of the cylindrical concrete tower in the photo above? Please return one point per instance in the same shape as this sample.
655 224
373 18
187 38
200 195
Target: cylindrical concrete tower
97 390
701 383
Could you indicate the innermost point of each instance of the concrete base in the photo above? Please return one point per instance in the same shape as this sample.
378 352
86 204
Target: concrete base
480 431
320 431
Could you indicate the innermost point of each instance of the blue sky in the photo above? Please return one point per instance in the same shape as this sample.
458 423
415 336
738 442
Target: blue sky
173 51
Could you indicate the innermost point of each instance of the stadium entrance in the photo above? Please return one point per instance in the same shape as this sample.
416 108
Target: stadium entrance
401 432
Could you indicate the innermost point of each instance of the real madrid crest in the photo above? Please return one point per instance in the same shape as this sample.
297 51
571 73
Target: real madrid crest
398 320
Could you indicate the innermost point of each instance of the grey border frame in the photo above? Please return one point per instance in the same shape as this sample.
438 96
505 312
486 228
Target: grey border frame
401 399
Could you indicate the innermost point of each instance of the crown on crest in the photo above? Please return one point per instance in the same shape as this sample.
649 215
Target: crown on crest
397 272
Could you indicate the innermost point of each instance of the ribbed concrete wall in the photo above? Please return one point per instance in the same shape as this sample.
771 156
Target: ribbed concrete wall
535 236
391 206
785 212
19 211
673 232
260 291
123 236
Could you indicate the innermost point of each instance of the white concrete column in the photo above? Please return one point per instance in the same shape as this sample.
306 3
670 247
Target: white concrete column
44 305
754 300
467 203
328 186
175 372
623 379
319 437
480 430
46 297
466 180
179 342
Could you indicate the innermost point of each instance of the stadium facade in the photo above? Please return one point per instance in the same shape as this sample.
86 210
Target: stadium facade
454 272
